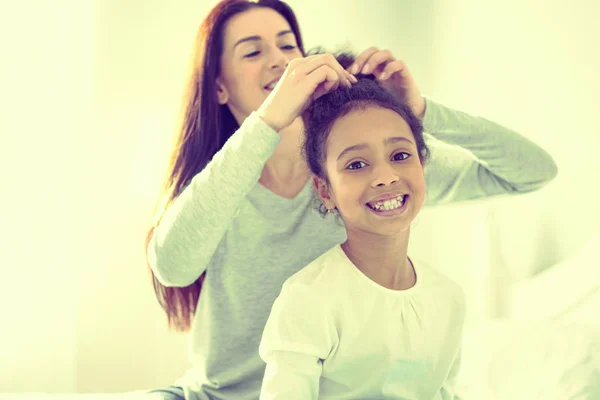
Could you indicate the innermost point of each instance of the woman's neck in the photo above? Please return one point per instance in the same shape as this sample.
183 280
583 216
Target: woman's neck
383 259
286 172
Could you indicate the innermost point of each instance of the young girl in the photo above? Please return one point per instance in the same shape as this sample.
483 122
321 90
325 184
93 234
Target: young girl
364 321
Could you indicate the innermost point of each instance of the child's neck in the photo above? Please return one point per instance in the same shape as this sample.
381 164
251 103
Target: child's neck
382 258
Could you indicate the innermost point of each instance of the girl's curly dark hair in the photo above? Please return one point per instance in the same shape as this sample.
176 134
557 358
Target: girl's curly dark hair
320 116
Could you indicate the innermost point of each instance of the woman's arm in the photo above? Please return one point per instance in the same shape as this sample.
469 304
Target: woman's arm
192 227
298 336
473 158
504 162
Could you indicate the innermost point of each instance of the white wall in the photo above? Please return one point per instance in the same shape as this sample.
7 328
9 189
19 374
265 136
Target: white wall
45 84
531 66
79 187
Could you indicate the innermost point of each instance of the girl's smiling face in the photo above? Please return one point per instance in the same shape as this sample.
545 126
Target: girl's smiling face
375 175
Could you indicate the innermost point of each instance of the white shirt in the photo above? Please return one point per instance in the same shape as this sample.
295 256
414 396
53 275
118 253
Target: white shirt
333 333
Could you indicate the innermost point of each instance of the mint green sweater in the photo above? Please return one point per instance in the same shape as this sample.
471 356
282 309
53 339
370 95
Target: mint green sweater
250 240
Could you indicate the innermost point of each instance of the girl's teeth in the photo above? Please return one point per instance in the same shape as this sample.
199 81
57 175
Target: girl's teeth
389 204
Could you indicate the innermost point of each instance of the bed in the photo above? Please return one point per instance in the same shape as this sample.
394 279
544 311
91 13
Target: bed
136 395
550 347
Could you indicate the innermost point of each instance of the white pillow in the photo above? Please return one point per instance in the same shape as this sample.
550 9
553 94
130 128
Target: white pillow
548 361
562 291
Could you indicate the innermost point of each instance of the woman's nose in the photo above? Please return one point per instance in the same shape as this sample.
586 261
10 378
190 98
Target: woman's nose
278 59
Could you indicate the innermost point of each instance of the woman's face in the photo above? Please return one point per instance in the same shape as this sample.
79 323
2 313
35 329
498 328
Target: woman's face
257 47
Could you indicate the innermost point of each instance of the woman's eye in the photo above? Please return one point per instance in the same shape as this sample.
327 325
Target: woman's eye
356 165
401 156
288 47
253 54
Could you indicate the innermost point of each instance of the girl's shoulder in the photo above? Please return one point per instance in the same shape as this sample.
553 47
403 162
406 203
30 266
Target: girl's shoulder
318 274
432 278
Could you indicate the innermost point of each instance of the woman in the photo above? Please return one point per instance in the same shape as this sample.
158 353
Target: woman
236 218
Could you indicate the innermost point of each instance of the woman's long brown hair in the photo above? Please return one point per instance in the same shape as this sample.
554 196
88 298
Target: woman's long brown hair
205 127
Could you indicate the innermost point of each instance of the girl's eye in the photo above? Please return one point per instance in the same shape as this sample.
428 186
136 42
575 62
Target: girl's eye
356 165
288 47
253 54
403 156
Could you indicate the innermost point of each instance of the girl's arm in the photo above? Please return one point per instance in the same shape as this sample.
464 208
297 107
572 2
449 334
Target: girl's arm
450 387
473 158
297 338
192 227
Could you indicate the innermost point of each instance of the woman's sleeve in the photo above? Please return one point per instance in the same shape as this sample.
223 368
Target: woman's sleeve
297 338
473 158
192 227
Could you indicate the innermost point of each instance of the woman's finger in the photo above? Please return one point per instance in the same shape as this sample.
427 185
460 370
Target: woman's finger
396 66
361 60
323 79
377 62
328 59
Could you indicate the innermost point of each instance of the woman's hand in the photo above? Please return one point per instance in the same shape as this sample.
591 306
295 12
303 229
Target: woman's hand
393 75
304 80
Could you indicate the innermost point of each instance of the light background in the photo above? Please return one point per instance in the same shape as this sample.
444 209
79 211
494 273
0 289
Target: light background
90 96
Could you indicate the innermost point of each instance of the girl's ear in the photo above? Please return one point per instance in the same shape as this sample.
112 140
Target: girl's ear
222 94
323 191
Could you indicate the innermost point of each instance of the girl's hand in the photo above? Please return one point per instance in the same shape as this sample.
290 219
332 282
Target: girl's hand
304 80
393 75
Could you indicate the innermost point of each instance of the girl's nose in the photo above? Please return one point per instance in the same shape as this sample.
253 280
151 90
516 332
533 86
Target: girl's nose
384 176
